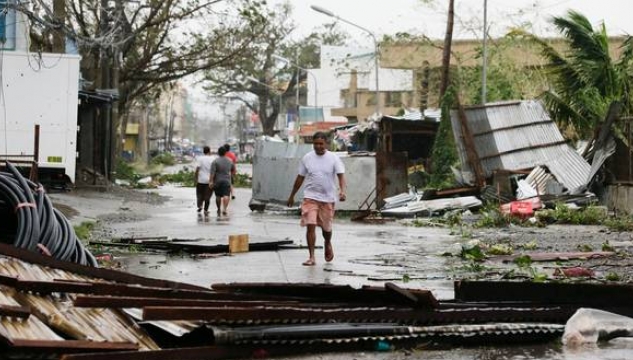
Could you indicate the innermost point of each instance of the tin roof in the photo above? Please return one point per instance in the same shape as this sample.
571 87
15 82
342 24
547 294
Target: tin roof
520 135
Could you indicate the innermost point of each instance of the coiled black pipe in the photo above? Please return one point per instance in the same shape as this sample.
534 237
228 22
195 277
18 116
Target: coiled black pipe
34 223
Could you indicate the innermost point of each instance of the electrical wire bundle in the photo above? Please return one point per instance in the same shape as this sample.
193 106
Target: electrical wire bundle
33 223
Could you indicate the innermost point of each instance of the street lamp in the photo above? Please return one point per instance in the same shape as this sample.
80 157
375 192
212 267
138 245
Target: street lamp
376 53
316 91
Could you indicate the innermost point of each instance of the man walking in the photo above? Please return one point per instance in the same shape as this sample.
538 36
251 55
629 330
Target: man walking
220 180
319 168
203 172
231 156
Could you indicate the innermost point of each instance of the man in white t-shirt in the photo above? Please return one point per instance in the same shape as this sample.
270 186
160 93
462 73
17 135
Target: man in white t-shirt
203 172
319 168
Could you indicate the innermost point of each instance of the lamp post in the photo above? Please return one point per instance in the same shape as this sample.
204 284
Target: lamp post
376 50
316 91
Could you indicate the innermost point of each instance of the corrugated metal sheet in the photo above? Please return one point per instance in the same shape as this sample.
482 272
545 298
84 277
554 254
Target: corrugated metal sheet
520 135
55 313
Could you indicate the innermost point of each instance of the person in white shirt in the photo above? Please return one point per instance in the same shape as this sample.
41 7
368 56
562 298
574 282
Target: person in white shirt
203 172
319 168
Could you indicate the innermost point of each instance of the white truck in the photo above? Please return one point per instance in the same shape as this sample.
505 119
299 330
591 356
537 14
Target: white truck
40 89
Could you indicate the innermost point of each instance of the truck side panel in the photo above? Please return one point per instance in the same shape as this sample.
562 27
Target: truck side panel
40 91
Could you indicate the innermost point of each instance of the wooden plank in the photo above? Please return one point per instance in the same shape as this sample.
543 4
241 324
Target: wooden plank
72 345
238 243
402 293
471 150
21 312
106 274
138 302
220 352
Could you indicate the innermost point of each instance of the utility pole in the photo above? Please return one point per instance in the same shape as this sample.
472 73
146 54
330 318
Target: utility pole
484 65
59 39
106 111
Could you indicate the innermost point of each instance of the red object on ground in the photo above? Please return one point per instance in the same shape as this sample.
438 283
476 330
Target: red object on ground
104 257
574 272
521 208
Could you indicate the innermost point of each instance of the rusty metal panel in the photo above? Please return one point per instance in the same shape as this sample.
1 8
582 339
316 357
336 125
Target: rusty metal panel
391 175
517 136
581 295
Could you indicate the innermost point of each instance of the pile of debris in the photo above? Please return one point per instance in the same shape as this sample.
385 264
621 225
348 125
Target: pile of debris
55 309
513 154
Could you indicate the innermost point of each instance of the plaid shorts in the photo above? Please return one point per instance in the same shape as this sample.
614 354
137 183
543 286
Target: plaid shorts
318 213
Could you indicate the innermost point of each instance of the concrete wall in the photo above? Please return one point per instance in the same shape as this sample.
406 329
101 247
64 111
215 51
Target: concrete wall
275 167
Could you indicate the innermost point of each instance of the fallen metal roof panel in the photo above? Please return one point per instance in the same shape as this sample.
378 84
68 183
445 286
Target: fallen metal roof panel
520 135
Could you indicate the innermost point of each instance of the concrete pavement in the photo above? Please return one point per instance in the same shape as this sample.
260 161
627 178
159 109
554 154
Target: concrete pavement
364 253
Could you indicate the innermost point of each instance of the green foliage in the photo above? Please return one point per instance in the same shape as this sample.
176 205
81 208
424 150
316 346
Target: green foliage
444 153
125 171
607 247
474 253
584 247
164 158
612 276
585 79
406 278
242 181
492 217
532 245
620 224
563 214
83 230
500 249
506 78
523 261
185 177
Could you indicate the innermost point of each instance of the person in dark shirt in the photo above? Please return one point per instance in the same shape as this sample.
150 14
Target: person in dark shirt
220 180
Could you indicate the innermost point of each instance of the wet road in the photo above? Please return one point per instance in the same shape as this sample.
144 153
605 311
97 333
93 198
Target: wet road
365 254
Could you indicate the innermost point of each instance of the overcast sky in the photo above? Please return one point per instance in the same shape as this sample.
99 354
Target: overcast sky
392 16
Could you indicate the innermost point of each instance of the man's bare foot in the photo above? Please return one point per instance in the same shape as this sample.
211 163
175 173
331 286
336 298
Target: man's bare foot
329 251
309 262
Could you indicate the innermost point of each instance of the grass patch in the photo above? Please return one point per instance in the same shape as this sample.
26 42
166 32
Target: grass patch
186 177
83 230
563 214
242 181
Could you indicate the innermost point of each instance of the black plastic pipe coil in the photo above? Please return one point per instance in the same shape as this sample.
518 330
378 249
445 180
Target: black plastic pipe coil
36 224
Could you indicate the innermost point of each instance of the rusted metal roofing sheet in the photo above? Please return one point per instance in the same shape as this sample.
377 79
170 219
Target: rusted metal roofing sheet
49 315
520 135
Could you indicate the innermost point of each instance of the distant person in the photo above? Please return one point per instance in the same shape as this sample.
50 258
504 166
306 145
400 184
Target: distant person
231 155
220 180
202 175
319 168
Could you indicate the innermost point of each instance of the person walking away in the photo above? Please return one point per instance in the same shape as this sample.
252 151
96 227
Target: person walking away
231 155
318 169
203 172
220 180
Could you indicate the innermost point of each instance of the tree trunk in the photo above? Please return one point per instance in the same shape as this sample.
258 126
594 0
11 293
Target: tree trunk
446 55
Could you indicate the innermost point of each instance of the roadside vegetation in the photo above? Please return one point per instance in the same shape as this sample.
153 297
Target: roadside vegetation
139 176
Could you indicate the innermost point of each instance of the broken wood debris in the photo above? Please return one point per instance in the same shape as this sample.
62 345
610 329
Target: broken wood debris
174 247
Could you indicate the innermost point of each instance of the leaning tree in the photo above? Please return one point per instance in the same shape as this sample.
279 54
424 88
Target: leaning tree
137 47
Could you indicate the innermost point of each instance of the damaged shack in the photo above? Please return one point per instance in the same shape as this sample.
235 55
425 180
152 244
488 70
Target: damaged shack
516 136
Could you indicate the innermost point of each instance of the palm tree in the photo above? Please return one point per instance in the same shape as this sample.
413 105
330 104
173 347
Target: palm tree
585 79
